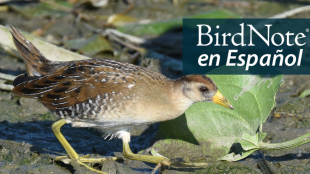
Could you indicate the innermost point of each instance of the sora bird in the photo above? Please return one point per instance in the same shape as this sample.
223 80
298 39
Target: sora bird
108 94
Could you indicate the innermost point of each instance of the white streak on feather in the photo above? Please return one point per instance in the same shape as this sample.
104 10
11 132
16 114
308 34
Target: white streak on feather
131 85
71 90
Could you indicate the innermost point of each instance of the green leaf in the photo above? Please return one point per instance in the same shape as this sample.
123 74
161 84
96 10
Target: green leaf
160 27
305 93
234 157
90 46
41 9
253 143
208 129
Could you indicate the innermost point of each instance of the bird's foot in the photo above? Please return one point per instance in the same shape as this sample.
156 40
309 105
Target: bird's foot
174 163
85 159
165 163
161 161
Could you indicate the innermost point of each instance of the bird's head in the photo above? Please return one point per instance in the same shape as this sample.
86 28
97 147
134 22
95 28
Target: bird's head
200 88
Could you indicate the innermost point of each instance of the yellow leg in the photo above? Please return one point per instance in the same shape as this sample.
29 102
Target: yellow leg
71 152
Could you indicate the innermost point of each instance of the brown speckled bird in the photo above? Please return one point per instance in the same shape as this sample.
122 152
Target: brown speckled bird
108 94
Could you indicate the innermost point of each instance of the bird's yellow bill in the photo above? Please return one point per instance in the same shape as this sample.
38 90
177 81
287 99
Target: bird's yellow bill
221 100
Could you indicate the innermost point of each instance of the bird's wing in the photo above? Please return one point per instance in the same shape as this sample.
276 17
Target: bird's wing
74 83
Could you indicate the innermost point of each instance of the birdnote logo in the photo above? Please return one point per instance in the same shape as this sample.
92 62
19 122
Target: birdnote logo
252 59
258 46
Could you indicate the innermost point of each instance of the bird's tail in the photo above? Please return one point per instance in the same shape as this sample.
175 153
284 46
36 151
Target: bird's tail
35 62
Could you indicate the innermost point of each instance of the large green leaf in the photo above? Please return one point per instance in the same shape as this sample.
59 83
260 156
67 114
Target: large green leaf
210 129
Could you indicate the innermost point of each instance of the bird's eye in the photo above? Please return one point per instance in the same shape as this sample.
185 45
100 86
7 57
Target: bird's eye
203 89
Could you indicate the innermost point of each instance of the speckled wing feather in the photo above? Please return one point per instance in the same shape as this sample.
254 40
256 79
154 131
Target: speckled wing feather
75 83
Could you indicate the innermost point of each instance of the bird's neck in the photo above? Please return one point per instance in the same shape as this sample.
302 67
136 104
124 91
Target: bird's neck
179 101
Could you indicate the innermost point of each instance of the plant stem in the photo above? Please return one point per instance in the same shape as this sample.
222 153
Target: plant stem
286 145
